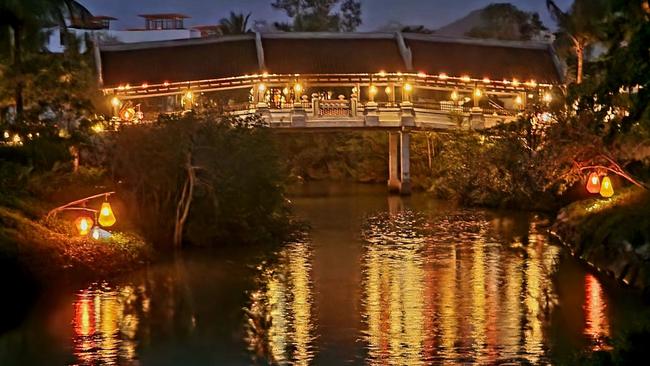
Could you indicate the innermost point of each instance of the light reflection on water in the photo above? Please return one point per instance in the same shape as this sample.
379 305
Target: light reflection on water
429 286
105 325
451 292
280 317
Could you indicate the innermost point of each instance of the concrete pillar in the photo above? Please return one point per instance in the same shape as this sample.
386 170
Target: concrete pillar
405 156
393 162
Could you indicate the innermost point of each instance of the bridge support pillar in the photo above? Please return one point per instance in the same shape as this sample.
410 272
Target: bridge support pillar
399 178
405 163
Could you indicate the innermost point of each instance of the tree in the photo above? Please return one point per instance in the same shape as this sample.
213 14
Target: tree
507 22
579 28
320 15
235 24
23 22
605 124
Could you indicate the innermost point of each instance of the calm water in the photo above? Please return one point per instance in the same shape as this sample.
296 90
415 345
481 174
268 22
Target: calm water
378 280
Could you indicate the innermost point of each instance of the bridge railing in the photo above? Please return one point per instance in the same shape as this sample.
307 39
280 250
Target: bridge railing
334 108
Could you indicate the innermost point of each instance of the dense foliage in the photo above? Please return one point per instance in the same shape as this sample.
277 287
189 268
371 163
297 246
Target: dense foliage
506 22
237 186
320 15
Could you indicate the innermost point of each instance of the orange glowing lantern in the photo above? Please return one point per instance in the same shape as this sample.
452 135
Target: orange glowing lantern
83 225
106 216
606 188
593 183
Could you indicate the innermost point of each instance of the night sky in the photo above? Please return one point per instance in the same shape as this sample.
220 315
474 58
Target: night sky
376 13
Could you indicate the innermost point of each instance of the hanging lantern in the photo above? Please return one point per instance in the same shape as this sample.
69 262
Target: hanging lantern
106 216
83 225
593 183
606 188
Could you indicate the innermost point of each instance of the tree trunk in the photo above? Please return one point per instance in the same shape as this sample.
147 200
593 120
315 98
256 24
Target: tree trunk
18 67
429 150
580 55
184 203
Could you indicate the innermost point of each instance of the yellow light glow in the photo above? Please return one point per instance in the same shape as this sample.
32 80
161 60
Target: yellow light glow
518 100
465 78
454 95
422 75
285 91
265 74
261 87
408 87
486 80
532 83
83 225
372 90
98 127
388 90
166 83
297 88
106 216
17 139
189 95
95 233
145 85
382 73
115 102
6 134
442 76
548 97
606 187
478 93
515 82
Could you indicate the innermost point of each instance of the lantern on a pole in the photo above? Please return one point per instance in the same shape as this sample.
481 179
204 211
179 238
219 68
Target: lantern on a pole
106 216
83 225
606 187
593 183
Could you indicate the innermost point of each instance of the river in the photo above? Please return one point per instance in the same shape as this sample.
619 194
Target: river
378 279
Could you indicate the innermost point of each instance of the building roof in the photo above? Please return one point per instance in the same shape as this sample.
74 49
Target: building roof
326 53
164 16
103 17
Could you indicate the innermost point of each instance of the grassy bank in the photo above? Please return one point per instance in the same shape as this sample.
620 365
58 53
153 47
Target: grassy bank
613 235
47 250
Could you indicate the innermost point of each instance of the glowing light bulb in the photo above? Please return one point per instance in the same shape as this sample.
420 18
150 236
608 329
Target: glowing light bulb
518 100
548 97
261 87
372 90
593 183
95 233
465 78
297 88
606 187
115 102
408 87
106 216
442 76
454 95
83 225
388 90
478 93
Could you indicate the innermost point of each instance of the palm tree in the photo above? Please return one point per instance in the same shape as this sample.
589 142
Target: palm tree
235 23
25 18
580 26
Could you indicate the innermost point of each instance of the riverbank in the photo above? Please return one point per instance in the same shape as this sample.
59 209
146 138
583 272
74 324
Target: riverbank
612 235
42 251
